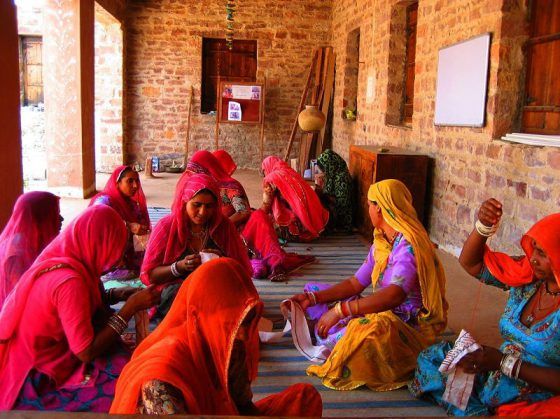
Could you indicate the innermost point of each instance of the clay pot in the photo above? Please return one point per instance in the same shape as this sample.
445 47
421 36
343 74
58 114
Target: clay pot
311 119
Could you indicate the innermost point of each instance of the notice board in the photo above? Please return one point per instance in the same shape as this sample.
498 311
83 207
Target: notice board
240 102
462 79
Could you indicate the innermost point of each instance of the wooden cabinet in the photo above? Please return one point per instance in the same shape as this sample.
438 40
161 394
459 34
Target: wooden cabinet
369 164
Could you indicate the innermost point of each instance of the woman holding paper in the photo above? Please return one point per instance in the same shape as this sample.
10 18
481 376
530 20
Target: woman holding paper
195 228
375 339
526 368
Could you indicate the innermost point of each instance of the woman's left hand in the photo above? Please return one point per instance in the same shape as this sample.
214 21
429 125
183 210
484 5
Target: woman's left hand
327 320
122 293
481 360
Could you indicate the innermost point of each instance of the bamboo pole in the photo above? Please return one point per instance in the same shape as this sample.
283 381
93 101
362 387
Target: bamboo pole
189 126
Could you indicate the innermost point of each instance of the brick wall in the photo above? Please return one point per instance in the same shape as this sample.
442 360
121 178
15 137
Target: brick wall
471 164
163 59
108 91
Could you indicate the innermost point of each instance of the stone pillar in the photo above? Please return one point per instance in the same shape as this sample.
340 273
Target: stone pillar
11 172
68 51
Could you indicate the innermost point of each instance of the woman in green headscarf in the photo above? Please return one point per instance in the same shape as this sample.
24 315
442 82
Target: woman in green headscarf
334 187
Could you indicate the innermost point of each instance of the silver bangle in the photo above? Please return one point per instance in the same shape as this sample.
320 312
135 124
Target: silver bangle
117 323
484 230
508 362
174 271
517 369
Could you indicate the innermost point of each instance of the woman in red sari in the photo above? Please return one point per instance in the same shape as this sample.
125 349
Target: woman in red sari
35 221
123 192
59 346
194 228
202 358
295 207
255 226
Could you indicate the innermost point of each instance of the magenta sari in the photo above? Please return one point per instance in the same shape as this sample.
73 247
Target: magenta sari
35 221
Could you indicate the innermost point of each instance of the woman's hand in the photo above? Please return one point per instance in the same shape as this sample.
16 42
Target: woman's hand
327 320
303 300
138 229
143 299
190 263
481 360
490 212
122 293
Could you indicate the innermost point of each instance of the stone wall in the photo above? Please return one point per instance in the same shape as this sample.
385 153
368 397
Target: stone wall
108 91
471 164
163 60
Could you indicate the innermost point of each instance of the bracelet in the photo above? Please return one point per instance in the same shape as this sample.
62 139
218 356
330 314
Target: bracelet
517 369
507 364
110 296
344 309
174 271
484 230
338 310
117 323
311 296
348 309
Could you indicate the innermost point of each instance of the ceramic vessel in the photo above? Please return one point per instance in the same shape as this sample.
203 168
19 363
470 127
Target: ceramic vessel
311 119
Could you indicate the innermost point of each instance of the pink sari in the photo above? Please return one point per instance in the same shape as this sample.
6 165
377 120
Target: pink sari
35 221
90 245
296 203
226 161
172 234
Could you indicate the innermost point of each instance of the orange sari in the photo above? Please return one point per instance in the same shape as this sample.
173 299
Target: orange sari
191 349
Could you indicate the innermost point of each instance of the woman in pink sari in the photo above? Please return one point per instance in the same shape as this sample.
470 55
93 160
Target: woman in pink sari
296 209
35 221
255 226
195 228
123 192
58 343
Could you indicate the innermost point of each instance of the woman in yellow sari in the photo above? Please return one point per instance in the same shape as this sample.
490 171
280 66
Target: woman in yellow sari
376 339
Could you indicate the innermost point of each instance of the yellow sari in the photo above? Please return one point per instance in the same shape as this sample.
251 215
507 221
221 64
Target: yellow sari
379 350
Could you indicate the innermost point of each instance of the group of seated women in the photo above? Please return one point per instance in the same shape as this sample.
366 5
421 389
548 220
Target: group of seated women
60 346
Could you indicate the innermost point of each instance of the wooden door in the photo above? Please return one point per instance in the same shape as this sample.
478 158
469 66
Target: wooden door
220 63
541 113
32 71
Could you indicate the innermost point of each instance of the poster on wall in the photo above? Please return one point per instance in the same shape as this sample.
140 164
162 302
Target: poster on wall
240 102
462 79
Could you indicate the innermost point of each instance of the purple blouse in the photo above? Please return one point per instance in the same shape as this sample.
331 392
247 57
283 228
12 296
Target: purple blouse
401 271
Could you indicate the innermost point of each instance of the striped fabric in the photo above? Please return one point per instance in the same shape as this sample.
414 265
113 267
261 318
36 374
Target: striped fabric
281 364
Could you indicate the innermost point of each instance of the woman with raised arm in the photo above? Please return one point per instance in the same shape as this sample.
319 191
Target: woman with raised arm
34 223
375 339
60 347
202 358
526 368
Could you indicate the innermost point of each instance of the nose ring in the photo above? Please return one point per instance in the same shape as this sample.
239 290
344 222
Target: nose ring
534 261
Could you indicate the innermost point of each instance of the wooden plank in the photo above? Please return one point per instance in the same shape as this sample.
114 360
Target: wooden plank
326 102
188 136
263 111
301 105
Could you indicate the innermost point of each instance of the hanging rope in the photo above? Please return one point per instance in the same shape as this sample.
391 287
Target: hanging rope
230 11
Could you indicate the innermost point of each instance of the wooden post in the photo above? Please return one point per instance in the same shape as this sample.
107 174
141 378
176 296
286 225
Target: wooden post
218 110
301 104
188 126
263 107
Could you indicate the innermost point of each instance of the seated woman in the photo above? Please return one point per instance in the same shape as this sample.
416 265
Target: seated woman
526 368
296 209
376 339
35 221
334 187
123 192
255 226
58 344
196 225
202 358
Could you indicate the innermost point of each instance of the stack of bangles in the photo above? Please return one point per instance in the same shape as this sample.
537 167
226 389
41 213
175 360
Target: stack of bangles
510 365
311 296
344 309
175 271
484 230
117 323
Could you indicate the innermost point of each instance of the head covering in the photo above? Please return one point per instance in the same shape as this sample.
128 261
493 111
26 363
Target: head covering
35 221
205 162
302 200
516 272
90 245
124 205
395 201
172 234
226 161
338 183
191 349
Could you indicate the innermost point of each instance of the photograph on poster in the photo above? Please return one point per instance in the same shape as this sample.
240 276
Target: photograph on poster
234 111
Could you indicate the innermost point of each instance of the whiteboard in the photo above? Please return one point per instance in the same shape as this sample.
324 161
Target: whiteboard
462 78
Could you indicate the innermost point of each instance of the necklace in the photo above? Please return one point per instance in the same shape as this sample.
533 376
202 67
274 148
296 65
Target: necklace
553 293
199 234
536 307
392 239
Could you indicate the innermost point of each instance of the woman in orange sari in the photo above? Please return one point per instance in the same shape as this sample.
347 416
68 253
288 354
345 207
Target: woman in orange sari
203 356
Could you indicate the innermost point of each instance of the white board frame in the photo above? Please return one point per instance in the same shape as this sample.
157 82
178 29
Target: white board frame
462 83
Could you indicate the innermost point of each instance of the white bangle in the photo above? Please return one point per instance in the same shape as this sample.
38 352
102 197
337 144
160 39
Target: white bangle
174 271
484 230
508 363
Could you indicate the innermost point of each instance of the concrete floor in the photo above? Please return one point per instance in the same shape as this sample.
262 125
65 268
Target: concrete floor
472 306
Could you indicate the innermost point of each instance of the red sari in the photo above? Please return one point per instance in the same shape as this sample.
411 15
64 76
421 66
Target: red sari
171 235
191 349
34 223
258 232
297 206
90 245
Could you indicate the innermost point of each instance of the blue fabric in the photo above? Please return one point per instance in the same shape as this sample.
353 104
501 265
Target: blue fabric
539 345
